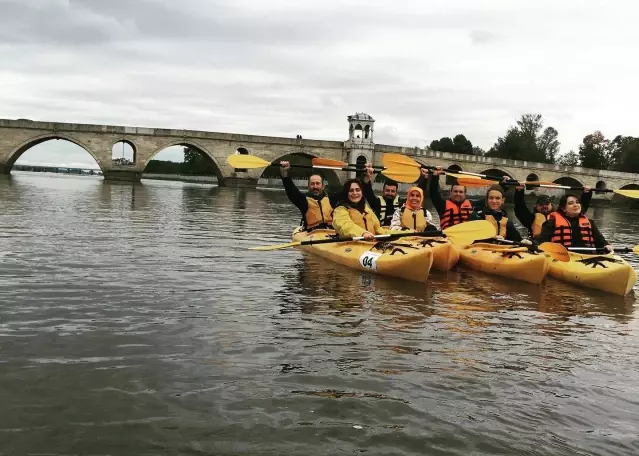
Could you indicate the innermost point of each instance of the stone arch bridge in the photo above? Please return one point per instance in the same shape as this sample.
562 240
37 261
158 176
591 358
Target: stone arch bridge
17 136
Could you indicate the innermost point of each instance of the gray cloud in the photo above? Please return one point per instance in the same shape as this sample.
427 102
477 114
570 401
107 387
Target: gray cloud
282 67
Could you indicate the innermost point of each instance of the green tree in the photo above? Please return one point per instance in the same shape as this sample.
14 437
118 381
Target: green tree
594 151
197 163
569 159
458 145
462 145
443 145
548 144
624 154
528 141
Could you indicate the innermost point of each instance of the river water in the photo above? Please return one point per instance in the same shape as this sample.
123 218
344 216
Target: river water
133 321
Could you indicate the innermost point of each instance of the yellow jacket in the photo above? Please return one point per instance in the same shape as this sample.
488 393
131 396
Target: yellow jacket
351 222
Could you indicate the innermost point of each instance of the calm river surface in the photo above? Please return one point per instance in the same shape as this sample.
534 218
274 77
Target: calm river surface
133 321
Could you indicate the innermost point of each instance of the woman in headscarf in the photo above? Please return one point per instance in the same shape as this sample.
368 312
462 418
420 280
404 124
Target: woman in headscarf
412 215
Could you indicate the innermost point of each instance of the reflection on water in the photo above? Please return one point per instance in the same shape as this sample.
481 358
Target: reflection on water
135 321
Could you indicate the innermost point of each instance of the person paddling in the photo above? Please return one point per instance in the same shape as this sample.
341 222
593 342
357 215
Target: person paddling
493 212
456 209
316 206
569 226
352 218
534 220
412 215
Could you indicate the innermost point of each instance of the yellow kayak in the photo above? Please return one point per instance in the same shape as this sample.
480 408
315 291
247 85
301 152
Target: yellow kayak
520 264
605 272
410 260
445 253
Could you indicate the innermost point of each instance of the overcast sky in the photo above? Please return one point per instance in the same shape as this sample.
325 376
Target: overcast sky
423 69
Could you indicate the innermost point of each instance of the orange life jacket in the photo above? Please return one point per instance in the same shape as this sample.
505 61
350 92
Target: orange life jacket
454 214
563 230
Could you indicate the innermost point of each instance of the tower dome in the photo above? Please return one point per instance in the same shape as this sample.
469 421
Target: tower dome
360 128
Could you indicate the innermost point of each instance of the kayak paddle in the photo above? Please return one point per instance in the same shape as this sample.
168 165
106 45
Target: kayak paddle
634 249
399 174
463 233
391 159
627 193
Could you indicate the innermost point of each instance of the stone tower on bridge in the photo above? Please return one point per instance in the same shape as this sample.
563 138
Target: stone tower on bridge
360 146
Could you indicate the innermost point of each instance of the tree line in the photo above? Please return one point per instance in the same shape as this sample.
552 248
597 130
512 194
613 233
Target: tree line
529 140
195 164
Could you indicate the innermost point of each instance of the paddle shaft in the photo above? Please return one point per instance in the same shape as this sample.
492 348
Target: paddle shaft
596 249
337 168
378 237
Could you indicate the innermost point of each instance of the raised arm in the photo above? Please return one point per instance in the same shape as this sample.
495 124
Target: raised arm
369 193
294 195
435 197
522 212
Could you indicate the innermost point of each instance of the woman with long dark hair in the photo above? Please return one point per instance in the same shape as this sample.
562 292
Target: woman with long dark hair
569 226
352 217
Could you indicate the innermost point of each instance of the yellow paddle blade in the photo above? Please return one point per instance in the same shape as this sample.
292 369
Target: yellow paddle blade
628 193
328 162
391 160
635 249
556 251
475 182
402 173
462 176
247 161
468 232
276 246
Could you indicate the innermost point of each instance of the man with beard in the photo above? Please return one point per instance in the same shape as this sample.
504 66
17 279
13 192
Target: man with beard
316 206
385 205
456 209
535 219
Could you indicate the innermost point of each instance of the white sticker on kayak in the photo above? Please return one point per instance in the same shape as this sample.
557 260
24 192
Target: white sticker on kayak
369 260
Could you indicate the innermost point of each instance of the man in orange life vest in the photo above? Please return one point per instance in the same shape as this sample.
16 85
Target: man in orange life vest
534 220
316 206
569 226
456 209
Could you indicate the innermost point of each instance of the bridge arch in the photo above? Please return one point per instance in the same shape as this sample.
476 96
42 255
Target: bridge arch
532 177
194 145
123 147
302 158
569 181
31 142
600 185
